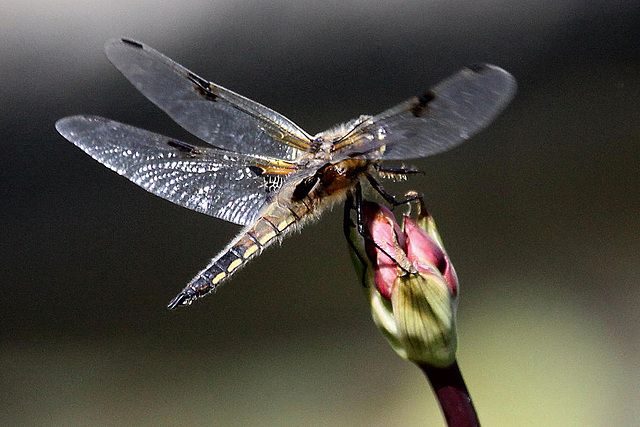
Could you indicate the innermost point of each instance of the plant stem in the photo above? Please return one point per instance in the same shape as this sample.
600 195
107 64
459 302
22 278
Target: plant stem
452 394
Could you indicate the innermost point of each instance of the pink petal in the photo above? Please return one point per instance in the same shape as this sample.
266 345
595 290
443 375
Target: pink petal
426 254
381 226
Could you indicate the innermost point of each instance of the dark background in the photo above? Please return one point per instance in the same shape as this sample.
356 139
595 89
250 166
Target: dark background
539 214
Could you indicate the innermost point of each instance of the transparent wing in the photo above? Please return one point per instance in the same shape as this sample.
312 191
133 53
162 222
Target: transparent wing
215 182
210 112
437 120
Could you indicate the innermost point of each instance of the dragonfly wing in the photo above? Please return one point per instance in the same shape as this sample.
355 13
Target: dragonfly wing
208 180
210 112
437 120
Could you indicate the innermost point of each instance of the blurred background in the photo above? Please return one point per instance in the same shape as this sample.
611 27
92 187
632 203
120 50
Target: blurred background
539 214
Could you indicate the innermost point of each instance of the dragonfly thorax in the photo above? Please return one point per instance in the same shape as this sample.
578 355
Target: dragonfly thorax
332 179
326 141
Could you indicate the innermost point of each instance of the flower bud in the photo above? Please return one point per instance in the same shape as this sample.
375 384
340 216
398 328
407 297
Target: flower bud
411 284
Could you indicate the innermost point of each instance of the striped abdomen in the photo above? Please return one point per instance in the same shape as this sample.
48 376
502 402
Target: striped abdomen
292 206
277 220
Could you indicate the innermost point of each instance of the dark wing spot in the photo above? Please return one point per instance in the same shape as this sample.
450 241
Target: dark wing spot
257 170
478 68
183 147
132 43
203 87
420 105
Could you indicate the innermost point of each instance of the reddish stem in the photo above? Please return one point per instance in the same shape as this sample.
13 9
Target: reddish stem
452 394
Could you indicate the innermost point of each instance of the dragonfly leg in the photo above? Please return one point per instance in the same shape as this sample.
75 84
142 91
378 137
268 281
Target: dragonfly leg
390 198
354 201
347 227
397 171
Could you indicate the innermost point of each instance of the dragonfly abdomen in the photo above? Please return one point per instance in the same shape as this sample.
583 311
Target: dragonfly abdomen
276 221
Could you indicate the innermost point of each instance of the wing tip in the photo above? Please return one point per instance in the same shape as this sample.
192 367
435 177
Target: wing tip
132 43
124 41
484 68
71 125
61 124
64 125
494 71
115 44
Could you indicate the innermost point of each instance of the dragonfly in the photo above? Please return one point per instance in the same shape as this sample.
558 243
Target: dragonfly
260 170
